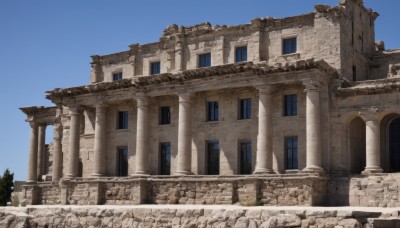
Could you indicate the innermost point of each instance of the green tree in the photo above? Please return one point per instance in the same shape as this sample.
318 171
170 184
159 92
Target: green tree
6 187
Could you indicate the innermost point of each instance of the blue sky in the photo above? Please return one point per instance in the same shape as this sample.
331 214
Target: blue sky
46 44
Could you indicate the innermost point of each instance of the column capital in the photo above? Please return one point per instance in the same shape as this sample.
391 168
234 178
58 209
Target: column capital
75 110
185 97
370 114
311 85
142 100
33 123
265 89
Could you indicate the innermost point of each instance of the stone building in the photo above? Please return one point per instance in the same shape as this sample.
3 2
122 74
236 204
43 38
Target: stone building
284 111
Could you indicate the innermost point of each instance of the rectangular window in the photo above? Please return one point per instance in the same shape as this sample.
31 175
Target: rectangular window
289 46
245 109
205 60
241 54
165 115
165 158
291 105
122 122
117 76
155 68
245 157
212 111
291 152
122 161
212 157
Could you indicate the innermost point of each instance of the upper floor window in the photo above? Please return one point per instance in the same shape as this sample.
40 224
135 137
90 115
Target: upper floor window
212 111
244 109
289 46
291 152
165 115
205 60
155 68
122 122
291 105
241 54
117 76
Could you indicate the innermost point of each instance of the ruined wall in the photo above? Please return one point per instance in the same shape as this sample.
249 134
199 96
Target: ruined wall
383 64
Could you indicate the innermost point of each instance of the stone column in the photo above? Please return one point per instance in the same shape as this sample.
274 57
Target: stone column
313 128
33 154
57 156
100 141
142 135
372 147
74 135
264 138
41 151
184 156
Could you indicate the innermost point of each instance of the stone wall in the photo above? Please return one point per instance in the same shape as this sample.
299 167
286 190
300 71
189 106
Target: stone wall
196 216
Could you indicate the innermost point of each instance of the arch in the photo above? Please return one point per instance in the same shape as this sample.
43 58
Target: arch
390 143
357 145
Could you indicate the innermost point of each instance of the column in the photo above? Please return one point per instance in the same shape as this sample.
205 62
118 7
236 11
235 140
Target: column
57 156
184 156
372 147
33 149
313 128
41 151
100 141
74 135
264 138
142 135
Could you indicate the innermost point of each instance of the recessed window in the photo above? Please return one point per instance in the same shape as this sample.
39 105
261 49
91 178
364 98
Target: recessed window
155 68
212 111
291 152
165 115
165 158
289 46
117 76
245 157
122 122
290 105
212 157
122 161
241 54
205 60
244 109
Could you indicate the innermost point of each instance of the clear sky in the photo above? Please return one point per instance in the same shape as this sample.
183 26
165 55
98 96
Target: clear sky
46 44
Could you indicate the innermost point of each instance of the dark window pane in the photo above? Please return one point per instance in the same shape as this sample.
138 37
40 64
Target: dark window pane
122 120
290 105
122 168
212 157
289 46
117 76
165 117
241 54
155 68
245 109
245 158
291 152
205 60
165 158
212 111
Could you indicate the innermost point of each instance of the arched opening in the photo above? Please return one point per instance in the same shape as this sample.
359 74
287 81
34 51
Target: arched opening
394 145
357 146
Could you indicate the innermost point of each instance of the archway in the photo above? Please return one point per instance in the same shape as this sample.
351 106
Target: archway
357 146
394 145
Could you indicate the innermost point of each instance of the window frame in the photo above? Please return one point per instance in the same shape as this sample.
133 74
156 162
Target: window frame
124 123
241 57
167 119
289 41
167 168
118 74
245 113
247 167
153 70
290 107
213 167
292 162
125 166
202 63
212 111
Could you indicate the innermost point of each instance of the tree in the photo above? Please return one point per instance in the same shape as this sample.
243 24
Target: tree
6 187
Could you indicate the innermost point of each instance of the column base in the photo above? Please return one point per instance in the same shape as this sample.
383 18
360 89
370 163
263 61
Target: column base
183 173
372 170
140 174
97 175
263 171
313 169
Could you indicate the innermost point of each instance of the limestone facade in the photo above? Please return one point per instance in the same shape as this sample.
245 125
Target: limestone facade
309 96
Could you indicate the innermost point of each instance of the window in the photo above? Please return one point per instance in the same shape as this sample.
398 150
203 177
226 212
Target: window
245 109
122 161
155 68
241 54
245 157
117 76
205 60
165 115
354 73
291 152
212 157
291 105
212 111
289 46
122 122
165 158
